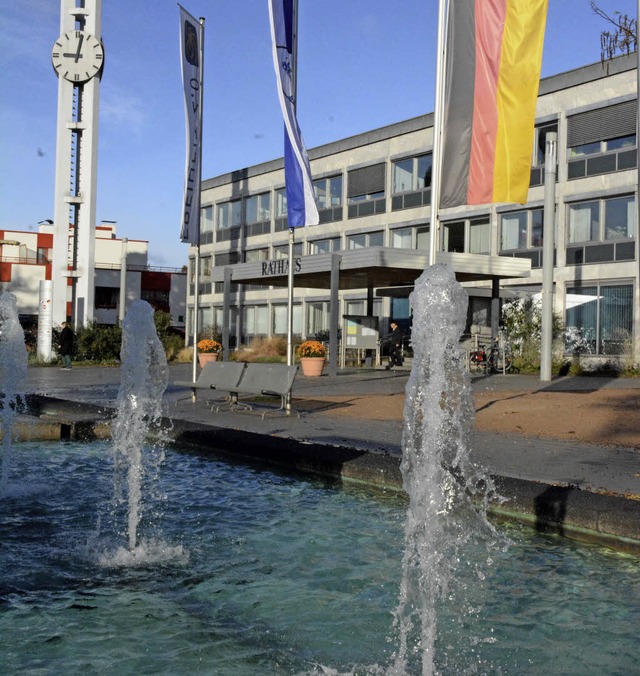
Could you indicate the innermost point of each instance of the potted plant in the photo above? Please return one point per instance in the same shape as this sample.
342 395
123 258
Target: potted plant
312 354
208 350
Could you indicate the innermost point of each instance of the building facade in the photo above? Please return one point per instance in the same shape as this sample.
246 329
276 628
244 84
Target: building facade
374 191
25 261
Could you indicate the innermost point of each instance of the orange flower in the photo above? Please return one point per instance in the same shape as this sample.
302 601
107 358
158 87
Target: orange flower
311 348
207 345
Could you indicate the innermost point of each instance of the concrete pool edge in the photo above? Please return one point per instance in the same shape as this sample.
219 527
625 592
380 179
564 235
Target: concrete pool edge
572 511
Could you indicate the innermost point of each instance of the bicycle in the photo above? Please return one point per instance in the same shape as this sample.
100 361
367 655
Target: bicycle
497 360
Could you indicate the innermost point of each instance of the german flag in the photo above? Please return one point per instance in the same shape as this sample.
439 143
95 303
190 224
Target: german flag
492 72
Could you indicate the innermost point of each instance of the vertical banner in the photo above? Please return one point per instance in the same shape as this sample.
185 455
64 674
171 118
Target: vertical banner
492 74
301 203
191 55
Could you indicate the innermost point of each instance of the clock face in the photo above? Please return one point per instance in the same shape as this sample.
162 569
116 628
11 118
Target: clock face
77 56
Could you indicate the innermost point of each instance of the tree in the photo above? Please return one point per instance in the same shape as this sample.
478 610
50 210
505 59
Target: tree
623 39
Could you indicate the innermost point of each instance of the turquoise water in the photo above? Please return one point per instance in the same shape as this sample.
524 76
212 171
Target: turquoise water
247 571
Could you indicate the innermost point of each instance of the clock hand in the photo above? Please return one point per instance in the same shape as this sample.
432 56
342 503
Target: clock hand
77 55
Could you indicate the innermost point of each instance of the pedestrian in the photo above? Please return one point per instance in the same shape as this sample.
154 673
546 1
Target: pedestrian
395 344
65 345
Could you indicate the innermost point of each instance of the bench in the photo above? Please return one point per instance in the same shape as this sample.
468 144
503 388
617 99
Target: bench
274 380
216 375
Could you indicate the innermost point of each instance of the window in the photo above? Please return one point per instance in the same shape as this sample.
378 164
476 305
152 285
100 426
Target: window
541 132
453 237
365 240
469 236
206 221
521 229
229 214
322 246
205 267
603 140
106 297
366 190
401 238
423 239
280 319
328 192
480 236
258 208
256 255
317 317
281 203
597 220
255 320
412 174
599 319
628 141
282 251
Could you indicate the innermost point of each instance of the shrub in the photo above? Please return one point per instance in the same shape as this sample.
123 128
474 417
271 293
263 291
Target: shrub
263 349
98 343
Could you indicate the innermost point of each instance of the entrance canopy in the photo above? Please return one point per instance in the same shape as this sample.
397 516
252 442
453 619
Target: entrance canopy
372 267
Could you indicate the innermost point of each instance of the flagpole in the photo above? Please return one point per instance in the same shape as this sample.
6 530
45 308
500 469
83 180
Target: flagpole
437 132
196 292
294 94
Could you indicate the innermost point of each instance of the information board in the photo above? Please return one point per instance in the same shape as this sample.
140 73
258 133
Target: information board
360 331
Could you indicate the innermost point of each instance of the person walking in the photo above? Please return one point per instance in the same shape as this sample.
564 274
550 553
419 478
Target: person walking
395 344
65 345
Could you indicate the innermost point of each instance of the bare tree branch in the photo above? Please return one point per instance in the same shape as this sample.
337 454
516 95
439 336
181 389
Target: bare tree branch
623 39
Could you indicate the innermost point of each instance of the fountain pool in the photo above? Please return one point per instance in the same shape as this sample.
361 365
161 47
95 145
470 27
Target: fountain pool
241 570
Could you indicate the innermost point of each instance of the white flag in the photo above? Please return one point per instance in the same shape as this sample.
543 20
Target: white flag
191 55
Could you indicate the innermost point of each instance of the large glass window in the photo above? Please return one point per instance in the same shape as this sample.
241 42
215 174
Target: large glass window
280 319
480 236
317 317
229 214
596 147
401 238
256 320
206 220
584 222
619 221
521 229
412 174
366 239
513 231
328 192
453 235
258 208
599 319
598 220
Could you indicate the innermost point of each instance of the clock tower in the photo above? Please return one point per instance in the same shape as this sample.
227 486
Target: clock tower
77 57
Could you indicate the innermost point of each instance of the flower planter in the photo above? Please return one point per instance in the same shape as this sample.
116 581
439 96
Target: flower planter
312 366
206 357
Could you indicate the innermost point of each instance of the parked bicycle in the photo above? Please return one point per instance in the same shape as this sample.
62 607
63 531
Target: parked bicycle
496 360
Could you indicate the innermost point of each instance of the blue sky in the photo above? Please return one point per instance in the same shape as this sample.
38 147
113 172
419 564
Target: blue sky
362 64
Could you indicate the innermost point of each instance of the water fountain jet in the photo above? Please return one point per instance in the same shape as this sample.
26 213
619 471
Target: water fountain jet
139 404
13 375
438 474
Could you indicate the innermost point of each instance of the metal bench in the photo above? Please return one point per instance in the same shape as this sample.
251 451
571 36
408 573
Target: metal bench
216 375
274 380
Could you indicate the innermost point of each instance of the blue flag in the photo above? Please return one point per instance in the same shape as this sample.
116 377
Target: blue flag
301 203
